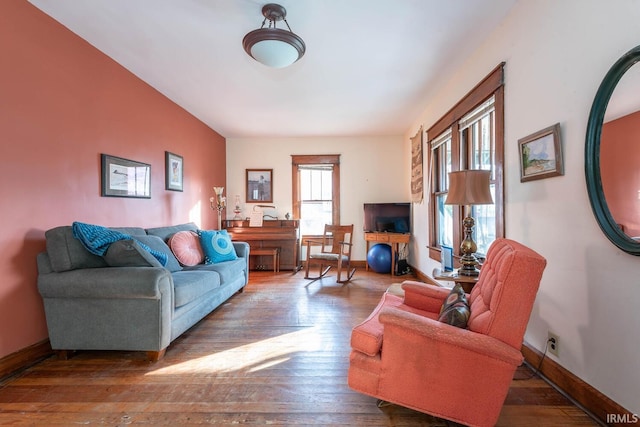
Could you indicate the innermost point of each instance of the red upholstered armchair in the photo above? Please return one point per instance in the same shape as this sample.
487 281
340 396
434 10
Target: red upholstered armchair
402 354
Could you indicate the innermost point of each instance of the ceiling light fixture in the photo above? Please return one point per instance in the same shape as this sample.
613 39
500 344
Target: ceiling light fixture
271 46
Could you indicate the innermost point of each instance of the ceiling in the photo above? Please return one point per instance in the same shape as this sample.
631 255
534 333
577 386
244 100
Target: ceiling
369 67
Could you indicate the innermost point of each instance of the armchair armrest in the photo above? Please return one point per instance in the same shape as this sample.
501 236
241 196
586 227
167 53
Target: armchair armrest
424 296
433 335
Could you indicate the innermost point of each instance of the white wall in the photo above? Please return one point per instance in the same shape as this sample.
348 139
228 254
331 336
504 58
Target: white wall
556 53
372 169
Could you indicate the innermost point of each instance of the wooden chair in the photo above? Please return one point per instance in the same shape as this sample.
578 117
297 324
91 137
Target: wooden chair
335 251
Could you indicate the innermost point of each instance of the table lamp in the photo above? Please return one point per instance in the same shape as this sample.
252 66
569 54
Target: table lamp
466 188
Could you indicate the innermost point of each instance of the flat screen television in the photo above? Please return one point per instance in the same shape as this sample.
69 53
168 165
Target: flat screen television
387 217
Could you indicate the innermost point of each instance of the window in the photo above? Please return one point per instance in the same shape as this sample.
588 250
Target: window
470 136
316 194
478 143
441 155
316 198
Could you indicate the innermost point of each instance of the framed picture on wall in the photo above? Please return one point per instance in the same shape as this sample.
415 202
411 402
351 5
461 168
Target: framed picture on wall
541 154
173 171
259 185
125 178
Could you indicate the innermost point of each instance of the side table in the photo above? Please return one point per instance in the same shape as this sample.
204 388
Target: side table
467 282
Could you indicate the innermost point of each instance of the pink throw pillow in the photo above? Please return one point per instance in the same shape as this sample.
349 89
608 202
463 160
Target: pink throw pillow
185 245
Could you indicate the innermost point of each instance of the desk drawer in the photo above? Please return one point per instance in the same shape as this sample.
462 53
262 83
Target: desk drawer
379 237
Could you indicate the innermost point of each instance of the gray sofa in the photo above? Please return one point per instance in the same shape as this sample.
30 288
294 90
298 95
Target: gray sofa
90 305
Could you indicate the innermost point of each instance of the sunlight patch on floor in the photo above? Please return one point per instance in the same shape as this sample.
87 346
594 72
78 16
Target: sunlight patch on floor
252 357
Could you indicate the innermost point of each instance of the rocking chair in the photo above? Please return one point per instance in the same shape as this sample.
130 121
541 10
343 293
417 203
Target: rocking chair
335 252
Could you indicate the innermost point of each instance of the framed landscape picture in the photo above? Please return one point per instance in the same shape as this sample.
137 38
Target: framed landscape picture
125 178
173 171
541 154
259 185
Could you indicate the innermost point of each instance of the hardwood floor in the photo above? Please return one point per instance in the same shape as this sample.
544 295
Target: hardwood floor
275 354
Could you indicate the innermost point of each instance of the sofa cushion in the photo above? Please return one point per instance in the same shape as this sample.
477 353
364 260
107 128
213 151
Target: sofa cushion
228 270
189 285
185 245
132 231
217 246
67 253
166 232
157 244
455 309
129 253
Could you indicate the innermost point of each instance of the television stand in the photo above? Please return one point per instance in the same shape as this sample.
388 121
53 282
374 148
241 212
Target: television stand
392 239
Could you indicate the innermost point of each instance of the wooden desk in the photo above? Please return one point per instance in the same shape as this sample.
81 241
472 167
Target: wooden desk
467 282
392 239
282 234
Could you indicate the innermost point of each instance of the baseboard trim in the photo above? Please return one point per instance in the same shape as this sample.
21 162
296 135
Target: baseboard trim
584 394
22 359
354 264
358 264
591 399
423 277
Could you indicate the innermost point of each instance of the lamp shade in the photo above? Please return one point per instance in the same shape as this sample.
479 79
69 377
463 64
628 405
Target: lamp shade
469 187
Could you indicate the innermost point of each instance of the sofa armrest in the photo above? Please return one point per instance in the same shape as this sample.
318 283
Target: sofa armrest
44 263
109 308
107 283
424 296
242 249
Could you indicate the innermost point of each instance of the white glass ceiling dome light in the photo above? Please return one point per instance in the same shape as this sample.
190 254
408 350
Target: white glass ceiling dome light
274 47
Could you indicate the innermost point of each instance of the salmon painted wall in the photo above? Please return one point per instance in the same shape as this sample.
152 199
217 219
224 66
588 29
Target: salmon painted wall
62 104
619 160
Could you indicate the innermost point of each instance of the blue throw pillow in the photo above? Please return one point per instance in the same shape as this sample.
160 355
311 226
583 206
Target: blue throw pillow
217 246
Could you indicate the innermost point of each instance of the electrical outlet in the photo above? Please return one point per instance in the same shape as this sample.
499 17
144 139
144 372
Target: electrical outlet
553 343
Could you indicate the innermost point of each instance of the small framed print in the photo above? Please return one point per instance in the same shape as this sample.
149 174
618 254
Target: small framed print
259 185
125 178
446 258
173 170
541 154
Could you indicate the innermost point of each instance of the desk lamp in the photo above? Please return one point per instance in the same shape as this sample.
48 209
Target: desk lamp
466 188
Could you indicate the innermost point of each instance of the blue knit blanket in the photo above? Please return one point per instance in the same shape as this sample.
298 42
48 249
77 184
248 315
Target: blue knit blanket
96 239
